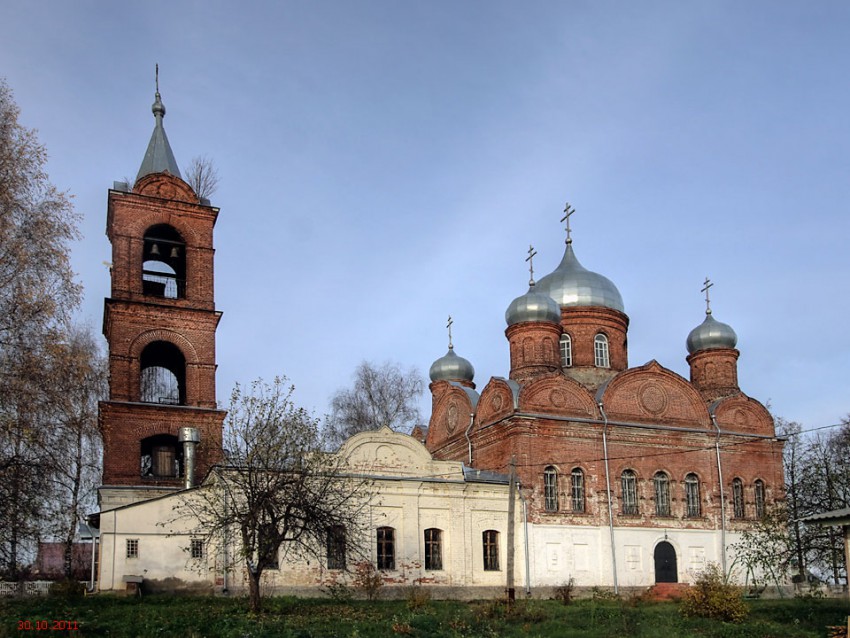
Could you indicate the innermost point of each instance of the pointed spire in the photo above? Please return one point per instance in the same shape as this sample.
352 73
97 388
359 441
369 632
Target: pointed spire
158 158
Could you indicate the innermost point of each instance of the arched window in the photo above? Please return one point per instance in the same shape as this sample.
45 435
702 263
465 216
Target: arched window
335 547
550 489
662 494
759 494
433 548
577 489
386 548
738 498
692 496
163 374
600 351
161 457
490 542
566 350
164 263
628 482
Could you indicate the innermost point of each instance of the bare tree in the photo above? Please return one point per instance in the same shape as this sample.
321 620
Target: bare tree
38 295
384 395
278 496
202 176
78 371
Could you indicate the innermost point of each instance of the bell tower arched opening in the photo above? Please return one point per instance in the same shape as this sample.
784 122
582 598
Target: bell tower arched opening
164 263
162 369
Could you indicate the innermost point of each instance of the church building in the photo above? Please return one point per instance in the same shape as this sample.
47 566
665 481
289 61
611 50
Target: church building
632 476
573 466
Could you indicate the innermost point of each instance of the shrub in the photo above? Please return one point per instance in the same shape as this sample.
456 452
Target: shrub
564 591
338 592
67 589
367 579
417 597
711 596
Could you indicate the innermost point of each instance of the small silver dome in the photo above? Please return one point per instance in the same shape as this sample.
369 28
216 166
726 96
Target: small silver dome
451 367
533 306
571 284
711 334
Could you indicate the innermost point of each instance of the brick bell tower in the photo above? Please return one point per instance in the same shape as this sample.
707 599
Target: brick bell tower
161 426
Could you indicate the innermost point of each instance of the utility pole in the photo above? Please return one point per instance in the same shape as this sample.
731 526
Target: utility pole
511 507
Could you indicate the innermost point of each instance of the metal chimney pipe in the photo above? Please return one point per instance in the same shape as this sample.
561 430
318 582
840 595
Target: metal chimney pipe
189 437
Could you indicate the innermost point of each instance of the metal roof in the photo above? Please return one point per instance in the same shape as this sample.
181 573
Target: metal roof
158 157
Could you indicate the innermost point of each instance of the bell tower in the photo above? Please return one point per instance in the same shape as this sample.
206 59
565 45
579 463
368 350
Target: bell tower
160 424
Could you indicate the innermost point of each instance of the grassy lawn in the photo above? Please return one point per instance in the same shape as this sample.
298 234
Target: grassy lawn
163 616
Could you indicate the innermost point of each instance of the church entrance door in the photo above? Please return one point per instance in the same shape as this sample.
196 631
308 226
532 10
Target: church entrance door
665 563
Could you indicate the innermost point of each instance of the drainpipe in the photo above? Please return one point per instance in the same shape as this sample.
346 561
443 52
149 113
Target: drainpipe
722 497
226 539
608 487
468 440
525 533
189 437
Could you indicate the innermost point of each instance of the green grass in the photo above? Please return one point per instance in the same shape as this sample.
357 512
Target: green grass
164 616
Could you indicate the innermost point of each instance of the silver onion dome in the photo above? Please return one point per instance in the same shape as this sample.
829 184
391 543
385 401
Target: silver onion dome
451 367
711 334
533 306
571 284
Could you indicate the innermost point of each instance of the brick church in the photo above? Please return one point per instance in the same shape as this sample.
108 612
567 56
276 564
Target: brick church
688 464
626 476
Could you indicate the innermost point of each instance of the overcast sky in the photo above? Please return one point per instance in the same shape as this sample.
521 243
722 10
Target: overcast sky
387 163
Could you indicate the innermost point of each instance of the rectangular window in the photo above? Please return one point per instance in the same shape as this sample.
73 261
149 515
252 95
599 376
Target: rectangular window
629 485
196 548
433 549
738 498
662 494
386 548
550 489
336 547
491 550
132 548
577 490
759 492
692 495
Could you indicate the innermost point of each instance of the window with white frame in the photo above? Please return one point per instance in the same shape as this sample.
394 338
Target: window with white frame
386 548
566 350
662 494
132 548
335 547
738 498
433 548
628 482
577 489
759 494
692 496
196 548
600 351
550 489
490 541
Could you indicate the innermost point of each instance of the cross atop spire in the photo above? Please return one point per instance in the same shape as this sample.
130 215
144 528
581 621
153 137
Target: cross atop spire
706 285
449 327
530 260
568 212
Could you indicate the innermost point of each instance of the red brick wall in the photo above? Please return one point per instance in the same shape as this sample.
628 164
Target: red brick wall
133 319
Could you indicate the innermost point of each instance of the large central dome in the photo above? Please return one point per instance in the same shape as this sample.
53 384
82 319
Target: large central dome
571 284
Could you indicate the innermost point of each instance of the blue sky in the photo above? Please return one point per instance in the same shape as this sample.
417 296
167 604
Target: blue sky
385 164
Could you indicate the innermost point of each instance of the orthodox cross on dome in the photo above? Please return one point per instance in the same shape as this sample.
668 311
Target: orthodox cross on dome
530 260
157 77
568 211
706 285
449 326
